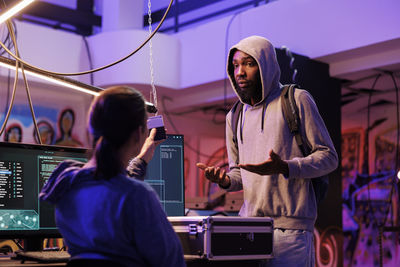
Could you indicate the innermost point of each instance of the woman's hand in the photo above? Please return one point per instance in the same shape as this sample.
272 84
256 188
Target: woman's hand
149 146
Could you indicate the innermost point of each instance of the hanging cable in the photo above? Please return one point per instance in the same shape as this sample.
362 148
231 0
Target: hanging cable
14 40
366 144
226 108
22 62
9 44
44 71
396 164
89 58
8 90
163 98
291 63
153 94
226 53
11 105
382 224
366 147
398 122
167 114
392 189
7 40
366 169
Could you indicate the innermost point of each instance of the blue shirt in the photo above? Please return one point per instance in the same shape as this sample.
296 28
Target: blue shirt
120 219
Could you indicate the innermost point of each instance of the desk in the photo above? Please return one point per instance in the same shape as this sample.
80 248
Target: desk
8 262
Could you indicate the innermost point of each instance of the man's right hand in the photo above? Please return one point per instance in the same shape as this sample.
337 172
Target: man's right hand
215 175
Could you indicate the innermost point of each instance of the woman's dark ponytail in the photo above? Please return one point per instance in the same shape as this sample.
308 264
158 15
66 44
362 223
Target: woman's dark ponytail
107 162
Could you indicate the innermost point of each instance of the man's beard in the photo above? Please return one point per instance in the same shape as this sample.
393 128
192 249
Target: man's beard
247 95
243 95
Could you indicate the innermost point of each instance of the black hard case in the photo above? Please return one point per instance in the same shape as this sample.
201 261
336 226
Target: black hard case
224 237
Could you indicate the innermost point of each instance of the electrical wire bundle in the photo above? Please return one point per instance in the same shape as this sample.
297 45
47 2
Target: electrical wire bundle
10 42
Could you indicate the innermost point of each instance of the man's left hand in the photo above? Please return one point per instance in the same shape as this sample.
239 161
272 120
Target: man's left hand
273 165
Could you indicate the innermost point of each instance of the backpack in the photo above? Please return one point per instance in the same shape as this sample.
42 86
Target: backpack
291 114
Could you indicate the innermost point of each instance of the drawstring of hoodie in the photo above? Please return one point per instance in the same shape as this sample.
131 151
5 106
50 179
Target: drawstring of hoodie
242 122
262 118
242 119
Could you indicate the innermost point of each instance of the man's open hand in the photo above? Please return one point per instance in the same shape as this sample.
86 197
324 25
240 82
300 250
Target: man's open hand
215 174
273 165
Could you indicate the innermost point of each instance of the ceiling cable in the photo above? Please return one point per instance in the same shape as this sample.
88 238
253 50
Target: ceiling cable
44 71
11 104
14 40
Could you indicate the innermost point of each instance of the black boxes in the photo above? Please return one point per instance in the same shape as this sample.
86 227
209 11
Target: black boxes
224 237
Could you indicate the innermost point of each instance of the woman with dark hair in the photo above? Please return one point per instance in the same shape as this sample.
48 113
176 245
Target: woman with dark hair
102 213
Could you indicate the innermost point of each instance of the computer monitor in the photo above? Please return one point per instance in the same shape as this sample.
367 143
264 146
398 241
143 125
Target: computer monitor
24 169
165 173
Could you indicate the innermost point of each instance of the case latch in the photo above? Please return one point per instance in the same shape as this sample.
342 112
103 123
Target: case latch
192 229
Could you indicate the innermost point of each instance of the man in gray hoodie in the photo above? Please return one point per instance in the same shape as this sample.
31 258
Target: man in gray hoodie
267 163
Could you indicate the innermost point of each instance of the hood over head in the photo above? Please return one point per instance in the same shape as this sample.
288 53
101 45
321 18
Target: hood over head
263 52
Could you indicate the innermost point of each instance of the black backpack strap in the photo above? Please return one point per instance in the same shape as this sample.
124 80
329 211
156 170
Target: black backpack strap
291 114
235 114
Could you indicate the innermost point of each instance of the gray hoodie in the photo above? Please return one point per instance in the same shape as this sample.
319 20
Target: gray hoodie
290 201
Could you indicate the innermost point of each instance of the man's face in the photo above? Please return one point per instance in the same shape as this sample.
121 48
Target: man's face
247 77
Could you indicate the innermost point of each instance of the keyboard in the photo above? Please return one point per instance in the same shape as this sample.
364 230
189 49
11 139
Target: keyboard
46 256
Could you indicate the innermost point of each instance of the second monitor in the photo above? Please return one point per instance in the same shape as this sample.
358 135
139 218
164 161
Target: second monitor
165 173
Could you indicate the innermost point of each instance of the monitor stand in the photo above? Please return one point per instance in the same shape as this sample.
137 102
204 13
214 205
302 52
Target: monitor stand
33 244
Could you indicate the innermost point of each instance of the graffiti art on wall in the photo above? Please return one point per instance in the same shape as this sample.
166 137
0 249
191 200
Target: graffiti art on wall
20 127
46 131
385 151
13 133
369 201
66 123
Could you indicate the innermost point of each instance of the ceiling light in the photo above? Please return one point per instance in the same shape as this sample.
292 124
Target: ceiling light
14 10
63 81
